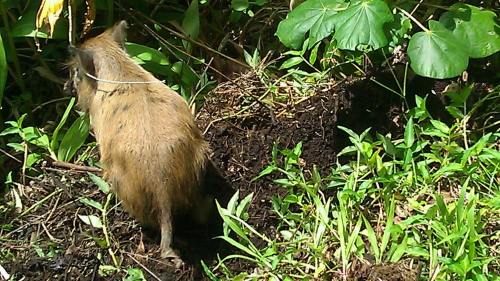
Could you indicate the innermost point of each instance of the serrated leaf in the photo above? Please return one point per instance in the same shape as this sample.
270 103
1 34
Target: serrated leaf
93 221
309 16
151 59
478 29
362 24
437 53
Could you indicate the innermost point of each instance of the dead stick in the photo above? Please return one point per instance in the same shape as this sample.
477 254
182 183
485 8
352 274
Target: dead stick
76 167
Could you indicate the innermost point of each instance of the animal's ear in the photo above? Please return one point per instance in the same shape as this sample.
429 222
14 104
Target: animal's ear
84 59
119 32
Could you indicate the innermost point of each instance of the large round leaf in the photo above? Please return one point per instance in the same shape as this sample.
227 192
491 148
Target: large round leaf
476 28
362 24
308 16
437 53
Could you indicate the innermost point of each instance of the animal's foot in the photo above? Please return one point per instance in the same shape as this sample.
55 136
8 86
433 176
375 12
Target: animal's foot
169 253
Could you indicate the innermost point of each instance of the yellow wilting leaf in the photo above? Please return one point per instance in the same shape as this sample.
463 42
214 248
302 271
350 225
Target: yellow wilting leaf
49 12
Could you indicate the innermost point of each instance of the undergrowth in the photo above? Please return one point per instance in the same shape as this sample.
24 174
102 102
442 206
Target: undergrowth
429 200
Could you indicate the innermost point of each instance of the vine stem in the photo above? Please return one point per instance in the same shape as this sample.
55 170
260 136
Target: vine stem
414 20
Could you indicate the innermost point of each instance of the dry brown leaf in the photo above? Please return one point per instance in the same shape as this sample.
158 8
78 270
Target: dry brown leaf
89 16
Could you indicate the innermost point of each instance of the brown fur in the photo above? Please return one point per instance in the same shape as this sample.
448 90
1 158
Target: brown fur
153 154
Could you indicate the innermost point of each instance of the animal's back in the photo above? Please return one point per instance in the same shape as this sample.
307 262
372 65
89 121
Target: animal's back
153 154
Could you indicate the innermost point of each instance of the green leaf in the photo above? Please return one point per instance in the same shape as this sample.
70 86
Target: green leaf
74 138
151 59
314 54
240 5
191 24
3 69
291 62
253 61
91 220
409 134
437 53
452 167
397 29
135 274
25 26
310 16
91 203
187 75
440 126
477 28
243 207
9 131
103 186
418 252
17 146
54 143
362 24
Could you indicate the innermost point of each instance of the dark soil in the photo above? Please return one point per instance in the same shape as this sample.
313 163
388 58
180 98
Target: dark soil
62 247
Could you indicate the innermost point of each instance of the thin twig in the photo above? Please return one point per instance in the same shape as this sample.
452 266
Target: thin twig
11 156
75 167
144 267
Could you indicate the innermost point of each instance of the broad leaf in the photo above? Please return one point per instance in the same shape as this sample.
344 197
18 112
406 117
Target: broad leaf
74 138
151 59
437 53
478 29
293 61
240 5
362 24
309 16
25 26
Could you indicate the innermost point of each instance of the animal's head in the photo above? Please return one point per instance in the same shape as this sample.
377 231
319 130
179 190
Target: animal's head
101 58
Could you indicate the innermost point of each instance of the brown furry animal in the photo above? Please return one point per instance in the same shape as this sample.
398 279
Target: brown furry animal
153 154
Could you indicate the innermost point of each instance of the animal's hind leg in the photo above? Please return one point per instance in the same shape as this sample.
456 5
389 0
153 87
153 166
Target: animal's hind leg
166 235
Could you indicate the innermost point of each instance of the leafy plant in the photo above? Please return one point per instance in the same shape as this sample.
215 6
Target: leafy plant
434 52
60 149
317 238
